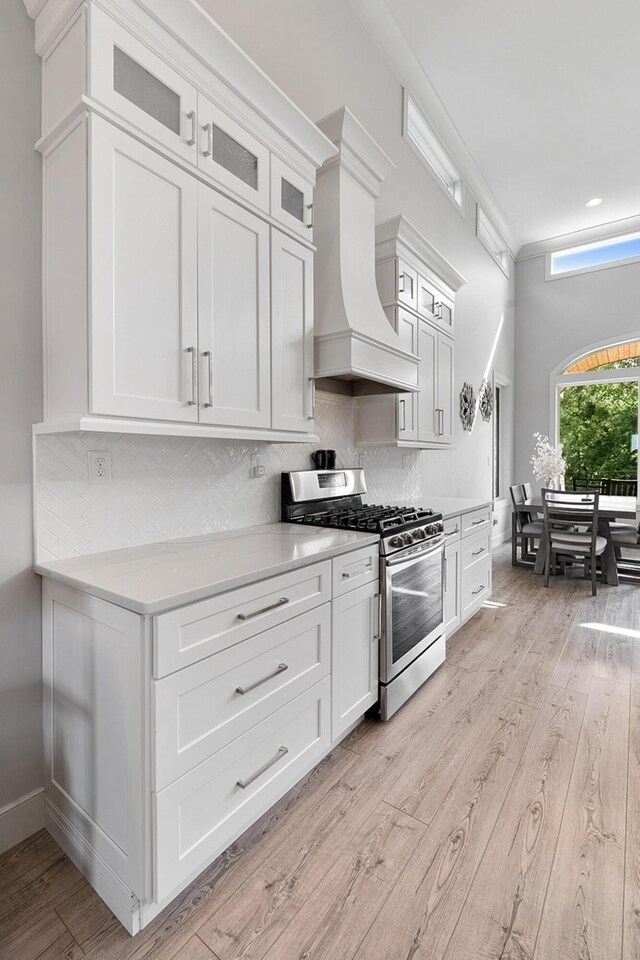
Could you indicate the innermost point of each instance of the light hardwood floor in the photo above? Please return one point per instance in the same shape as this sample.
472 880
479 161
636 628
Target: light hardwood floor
496 817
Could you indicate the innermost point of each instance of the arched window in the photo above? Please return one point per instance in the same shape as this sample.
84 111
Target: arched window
594 412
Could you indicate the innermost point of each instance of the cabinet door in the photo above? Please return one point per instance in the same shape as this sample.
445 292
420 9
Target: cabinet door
427 376
406 326
355 638
143 281
445 389
452 583
291 334
434 306
406 284
140 87
233 313
291 199
232 156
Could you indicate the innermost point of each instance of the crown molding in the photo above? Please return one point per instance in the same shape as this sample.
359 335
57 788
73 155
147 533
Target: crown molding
400 230
603 231
385 32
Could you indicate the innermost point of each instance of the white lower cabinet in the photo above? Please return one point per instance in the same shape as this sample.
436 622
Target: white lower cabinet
354 669
168 736
199 815
467 553
452 587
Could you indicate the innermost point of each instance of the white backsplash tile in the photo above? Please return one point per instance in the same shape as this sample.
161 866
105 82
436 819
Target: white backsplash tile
168 487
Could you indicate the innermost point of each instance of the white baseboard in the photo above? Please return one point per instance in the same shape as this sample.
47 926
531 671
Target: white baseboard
501 538
18 820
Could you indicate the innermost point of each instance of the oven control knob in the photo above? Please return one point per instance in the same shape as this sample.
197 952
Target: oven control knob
419 534
396 542
407 539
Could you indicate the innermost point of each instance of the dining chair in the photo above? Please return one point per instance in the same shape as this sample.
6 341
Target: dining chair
580 545
524 529
528 491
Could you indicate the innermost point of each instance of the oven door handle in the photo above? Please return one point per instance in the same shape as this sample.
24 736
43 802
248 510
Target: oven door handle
416 557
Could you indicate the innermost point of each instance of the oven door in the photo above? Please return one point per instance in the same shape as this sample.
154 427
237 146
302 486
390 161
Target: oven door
412 607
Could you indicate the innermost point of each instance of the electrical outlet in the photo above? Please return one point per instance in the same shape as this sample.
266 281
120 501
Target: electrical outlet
99 466
257 466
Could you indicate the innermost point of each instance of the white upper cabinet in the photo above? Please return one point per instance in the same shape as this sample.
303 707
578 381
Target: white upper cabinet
169 158
291 199
445 406
435 306
143 281
291 334
428 396
232 156
141 87
233 313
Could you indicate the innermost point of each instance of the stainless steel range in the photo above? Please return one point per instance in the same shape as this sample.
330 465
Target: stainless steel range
411 571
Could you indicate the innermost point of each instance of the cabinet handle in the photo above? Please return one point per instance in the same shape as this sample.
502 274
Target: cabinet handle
194 376
310 209
452 532
209 355
192 116
313 397
446 573
476 523
401 279
256 613
377 599
251 686
440 422
476 553
243 784
404 414
437 311
208 150
479 590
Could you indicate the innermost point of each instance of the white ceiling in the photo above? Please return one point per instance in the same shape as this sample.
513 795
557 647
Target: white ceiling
544 95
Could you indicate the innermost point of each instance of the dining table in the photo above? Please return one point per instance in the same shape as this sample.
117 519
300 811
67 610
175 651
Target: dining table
609 508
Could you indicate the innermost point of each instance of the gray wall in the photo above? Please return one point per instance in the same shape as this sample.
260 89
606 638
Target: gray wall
20 404
556 319
319 53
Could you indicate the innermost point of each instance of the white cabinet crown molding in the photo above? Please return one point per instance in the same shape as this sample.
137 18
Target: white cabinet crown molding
397 233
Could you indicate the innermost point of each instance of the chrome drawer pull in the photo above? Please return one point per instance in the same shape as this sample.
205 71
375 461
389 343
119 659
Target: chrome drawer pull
479 590
209 355
194 376
256 613
279 669
345 575
476 553
243 784
476 523
451 532
192 116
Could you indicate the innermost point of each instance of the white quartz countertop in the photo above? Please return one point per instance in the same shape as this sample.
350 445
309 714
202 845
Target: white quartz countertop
451 506
159 576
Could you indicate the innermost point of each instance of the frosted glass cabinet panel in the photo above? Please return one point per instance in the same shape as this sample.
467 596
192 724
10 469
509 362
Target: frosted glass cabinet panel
140 87
291 199
143 281
233 313
231 155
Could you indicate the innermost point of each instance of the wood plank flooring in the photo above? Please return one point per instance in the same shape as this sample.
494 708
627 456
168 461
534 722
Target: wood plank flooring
496 817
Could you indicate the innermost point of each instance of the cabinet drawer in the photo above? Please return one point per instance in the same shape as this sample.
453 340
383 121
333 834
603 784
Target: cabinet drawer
140 87
453 529
355 569
192 633
478 520
203 708
476 548
476 587
200 814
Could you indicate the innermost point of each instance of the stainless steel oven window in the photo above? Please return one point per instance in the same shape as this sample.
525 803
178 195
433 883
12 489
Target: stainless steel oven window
413 609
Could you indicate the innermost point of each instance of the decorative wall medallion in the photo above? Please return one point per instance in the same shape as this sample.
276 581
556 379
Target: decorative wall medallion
467 405
486 400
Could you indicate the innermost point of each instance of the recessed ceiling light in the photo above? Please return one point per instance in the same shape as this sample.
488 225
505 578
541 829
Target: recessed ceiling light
595 202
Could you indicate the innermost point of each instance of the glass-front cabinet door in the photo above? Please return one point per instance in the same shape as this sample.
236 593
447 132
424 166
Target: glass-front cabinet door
291 199
232 156
141 88
435 306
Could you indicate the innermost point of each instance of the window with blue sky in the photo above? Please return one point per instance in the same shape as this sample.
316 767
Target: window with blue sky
590 255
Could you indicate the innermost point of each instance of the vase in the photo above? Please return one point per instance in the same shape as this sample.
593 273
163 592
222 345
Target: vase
555 483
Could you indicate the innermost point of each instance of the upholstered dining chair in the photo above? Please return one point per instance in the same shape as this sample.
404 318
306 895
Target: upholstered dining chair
563 508
524 529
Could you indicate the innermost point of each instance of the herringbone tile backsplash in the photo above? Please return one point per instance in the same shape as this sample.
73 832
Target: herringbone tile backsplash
168 487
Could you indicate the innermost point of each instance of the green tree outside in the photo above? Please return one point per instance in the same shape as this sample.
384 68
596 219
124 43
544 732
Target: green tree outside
597 422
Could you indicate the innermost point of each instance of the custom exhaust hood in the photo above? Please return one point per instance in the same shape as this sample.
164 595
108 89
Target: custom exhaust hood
355 343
